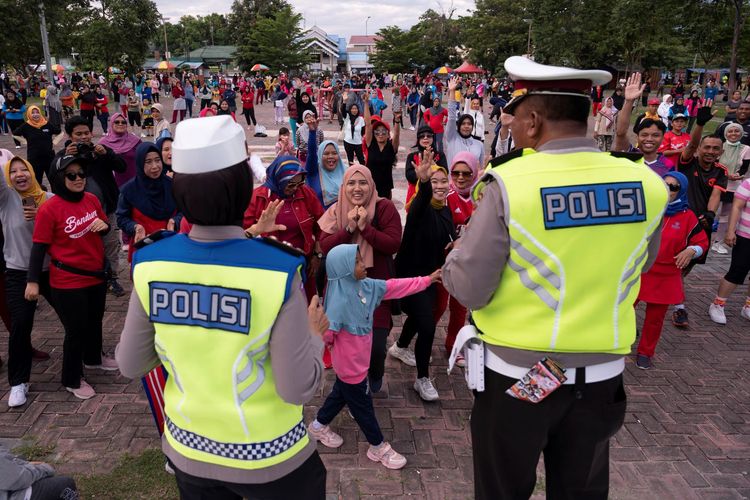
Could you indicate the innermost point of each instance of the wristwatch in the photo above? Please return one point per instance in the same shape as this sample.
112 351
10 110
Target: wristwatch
319 255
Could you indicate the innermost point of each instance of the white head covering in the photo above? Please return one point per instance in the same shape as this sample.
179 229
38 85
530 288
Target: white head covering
207 145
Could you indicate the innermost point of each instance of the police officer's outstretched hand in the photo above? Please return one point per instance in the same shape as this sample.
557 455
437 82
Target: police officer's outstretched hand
316 317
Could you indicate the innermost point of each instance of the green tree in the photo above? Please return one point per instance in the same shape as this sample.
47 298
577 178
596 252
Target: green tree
439 36
274 41
245 13
396 51
493 32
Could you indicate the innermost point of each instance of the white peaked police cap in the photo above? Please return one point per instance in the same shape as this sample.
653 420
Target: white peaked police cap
208 144
532 78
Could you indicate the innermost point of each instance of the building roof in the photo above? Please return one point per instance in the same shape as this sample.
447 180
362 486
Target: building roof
320 39
213 53
363 39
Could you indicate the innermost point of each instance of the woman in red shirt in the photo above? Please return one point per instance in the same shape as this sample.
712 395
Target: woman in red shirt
146 203
69 227
436 117
298 216
248 109
682 240
463 174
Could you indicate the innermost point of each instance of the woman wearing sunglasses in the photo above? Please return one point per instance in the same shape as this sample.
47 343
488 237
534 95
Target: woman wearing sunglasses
69 227
425 142
298 212
382 150
682 240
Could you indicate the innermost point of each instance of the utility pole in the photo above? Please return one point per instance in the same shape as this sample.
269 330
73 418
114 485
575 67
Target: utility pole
45 43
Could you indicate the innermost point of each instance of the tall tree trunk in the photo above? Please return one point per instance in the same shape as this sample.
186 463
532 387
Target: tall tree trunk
737 4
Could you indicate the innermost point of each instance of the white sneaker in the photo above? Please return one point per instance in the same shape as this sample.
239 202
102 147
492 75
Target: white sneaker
411 128
716 312
425 389
405 355
719 248
745 313
18 395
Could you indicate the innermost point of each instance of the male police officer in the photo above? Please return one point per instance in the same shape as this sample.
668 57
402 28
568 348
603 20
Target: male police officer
550 266
227 318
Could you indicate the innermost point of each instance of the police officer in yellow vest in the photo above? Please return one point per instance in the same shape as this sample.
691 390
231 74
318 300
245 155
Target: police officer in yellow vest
228 319
550 266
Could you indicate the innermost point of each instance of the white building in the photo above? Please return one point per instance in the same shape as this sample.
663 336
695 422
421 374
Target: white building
358 52
324 50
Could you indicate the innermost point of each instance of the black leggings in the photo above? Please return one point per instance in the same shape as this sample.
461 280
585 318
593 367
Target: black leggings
354 149
89 114
419 309
13 125
41 166
249 115
740 266
22 322
81 311
134 118
377 354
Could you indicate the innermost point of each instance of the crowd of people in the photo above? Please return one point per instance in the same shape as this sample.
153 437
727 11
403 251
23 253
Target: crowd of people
69 215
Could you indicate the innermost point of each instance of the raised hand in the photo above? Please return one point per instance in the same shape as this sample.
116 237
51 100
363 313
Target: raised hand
453 83
267 221
633 87
705 113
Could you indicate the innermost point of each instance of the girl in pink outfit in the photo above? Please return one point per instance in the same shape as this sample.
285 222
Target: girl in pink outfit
350 301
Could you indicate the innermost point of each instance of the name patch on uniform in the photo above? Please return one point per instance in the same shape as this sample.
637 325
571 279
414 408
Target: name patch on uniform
212 307
593 204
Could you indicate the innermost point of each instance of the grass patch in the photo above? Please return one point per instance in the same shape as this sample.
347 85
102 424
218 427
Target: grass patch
31 451
142 476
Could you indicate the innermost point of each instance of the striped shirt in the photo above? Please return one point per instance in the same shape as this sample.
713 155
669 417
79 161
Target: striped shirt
743 193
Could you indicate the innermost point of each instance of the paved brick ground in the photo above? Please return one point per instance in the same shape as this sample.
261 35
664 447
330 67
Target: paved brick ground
687 431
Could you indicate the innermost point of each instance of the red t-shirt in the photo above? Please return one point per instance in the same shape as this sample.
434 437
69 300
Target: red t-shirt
64 226
436 121
461 209
673 141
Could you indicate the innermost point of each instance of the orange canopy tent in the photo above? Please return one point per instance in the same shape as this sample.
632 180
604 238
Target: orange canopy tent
468 68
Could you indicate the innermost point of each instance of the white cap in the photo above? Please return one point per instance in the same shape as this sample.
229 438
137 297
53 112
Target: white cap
522 68
208 144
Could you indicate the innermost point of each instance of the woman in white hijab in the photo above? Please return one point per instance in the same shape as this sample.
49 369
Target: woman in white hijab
736 158
663 110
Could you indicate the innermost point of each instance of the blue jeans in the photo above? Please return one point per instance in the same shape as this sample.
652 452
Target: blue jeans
359 400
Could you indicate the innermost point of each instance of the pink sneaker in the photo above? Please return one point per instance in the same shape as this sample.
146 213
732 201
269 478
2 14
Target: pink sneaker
108 364
326 436
85 391
387 456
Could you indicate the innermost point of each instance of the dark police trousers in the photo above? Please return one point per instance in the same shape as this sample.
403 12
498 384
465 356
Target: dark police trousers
571 426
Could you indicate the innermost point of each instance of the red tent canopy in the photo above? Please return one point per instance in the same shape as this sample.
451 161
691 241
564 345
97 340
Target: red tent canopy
467 67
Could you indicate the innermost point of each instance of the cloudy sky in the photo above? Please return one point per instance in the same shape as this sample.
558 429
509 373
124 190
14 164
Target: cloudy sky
345 17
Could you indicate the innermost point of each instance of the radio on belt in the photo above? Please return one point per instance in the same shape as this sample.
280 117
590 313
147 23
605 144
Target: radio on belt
473 348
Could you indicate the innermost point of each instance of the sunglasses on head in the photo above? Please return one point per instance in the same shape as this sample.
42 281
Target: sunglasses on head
673 187
460 173
71 176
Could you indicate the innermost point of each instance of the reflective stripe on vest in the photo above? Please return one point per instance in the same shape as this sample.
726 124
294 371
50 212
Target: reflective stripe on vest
213 324
579 227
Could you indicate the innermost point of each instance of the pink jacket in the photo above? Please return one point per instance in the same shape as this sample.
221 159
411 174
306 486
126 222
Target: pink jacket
351 353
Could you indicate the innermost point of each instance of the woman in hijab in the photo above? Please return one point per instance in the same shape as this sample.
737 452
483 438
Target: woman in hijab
693 103
67 100
146 203
15 112
425 142
604 128
299 213
429 231
664 107
53 106
463 174
382 151
310 121
682 240
304 103
435 117
736 158
325 171
38 134
20 199
458 131
69 227
678 108
161 124
374 224
124 143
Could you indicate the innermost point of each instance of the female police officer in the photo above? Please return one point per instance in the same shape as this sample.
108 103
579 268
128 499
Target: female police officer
226 316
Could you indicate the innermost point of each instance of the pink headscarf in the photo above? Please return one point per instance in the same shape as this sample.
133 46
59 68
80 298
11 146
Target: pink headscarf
473 162
119 143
